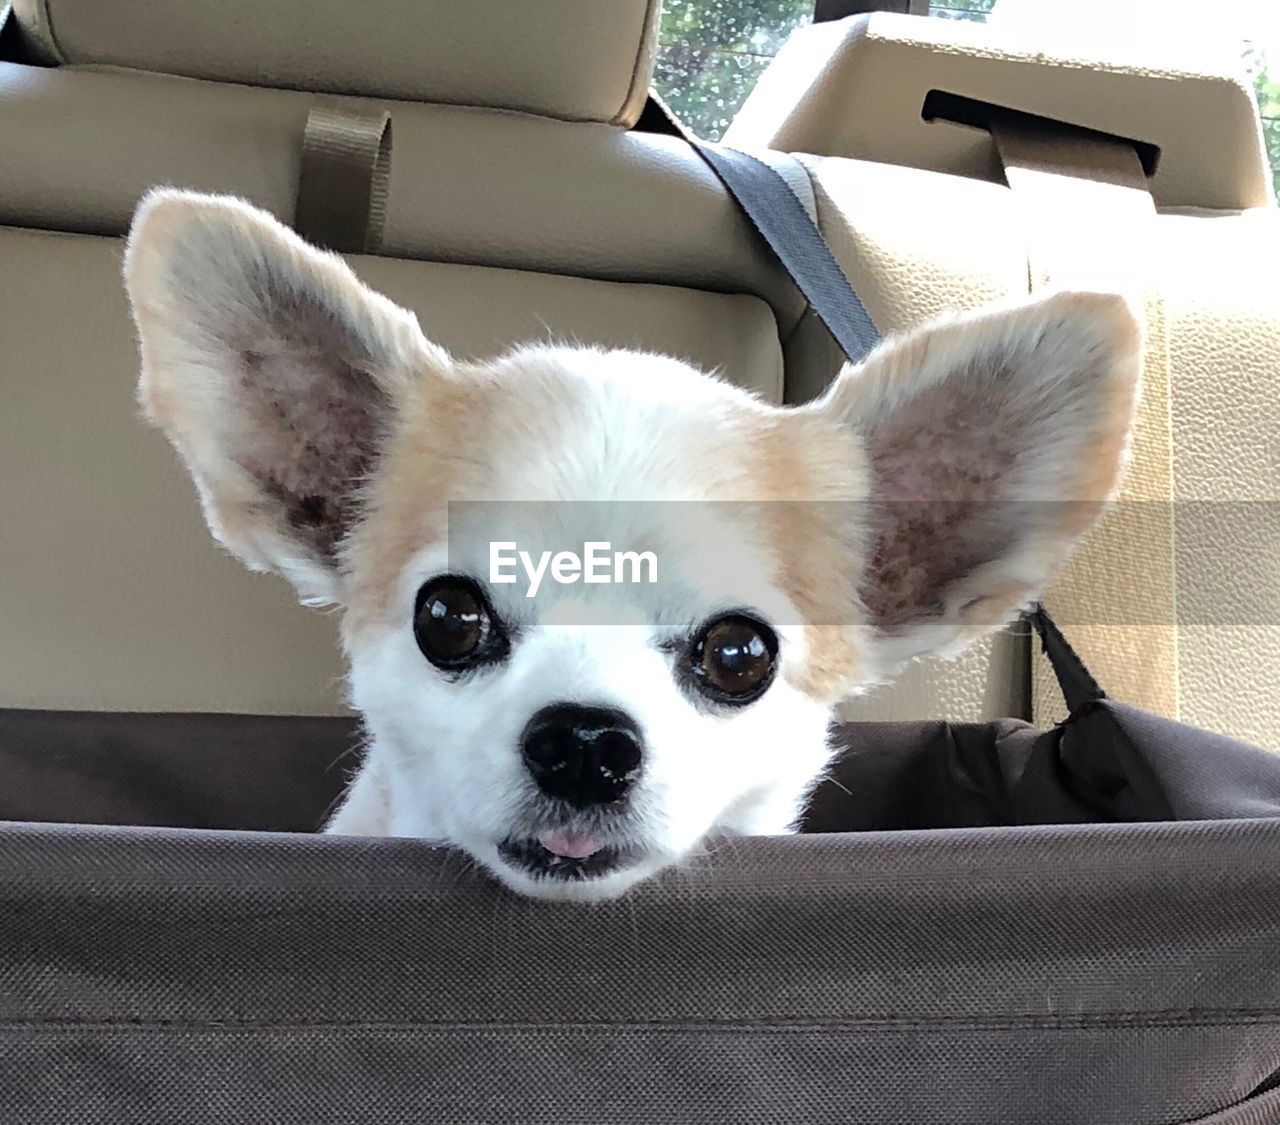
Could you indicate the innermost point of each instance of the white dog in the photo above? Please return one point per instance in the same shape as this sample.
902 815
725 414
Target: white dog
578 741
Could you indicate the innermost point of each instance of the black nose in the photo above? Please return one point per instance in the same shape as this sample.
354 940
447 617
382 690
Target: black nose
582 755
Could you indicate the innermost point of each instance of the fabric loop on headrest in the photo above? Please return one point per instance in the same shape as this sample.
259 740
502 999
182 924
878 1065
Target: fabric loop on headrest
342 188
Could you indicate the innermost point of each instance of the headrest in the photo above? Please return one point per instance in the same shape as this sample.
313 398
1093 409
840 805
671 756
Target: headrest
581 60
908 91
79 147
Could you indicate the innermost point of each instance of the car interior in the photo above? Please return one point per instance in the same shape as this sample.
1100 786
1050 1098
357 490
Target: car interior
515 172
528 201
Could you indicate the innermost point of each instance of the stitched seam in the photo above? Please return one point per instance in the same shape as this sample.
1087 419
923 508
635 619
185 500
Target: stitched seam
376 99
647 49
1189 1018
46 11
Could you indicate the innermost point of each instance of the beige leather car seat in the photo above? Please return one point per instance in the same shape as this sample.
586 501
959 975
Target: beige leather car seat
1137 168
522 205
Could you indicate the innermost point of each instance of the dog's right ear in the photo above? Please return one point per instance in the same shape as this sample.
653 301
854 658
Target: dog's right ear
274 372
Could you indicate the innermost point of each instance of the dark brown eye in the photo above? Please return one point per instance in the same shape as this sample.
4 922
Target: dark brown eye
453 626
733 659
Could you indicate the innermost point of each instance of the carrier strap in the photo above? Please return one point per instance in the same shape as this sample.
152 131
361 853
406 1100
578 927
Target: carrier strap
1074 678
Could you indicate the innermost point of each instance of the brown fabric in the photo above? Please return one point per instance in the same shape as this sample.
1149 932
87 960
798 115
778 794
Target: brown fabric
1048 975
1109 974
1109 762
254 772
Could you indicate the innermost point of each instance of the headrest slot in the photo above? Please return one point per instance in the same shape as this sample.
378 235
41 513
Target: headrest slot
942 105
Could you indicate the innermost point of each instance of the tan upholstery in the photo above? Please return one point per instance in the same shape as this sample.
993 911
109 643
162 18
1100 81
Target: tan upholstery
114 596
1222 300
943 232
579 60
857 88
78 149
500 228
509 226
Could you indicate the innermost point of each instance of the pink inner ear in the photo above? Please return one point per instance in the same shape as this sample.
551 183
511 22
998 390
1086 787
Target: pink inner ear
940 467
307 432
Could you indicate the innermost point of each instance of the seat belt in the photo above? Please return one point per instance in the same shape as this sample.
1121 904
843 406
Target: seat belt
782 221
777 213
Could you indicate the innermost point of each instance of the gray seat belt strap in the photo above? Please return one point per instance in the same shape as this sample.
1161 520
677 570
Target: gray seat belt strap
780 217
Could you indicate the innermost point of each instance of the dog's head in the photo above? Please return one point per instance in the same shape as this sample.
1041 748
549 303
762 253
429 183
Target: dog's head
577 740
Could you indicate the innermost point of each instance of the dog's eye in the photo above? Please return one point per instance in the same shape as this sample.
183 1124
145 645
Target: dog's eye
453 625
733 659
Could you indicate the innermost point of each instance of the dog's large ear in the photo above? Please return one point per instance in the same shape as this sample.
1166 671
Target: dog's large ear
274 372
993 441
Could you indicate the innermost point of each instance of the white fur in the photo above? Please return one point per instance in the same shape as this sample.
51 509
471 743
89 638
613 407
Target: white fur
567 445
703 771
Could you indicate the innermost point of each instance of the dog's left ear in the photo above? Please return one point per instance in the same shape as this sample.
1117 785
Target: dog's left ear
273 370
993 441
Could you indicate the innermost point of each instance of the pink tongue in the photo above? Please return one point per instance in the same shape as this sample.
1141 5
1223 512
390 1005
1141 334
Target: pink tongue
570 845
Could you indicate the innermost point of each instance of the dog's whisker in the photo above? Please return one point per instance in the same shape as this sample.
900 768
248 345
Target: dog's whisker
831 779
357 751
331 809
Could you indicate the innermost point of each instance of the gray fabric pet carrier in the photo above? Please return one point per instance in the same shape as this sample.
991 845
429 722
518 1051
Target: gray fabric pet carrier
931 952
984 924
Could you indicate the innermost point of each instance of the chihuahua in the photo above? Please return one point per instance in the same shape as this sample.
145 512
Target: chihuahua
578 741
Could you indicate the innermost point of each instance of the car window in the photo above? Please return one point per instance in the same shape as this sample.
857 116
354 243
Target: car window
960 9
710 53
1264 67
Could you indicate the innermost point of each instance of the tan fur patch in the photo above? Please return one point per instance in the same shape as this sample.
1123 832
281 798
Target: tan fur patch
802 469
813 474
424 466
1101 475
